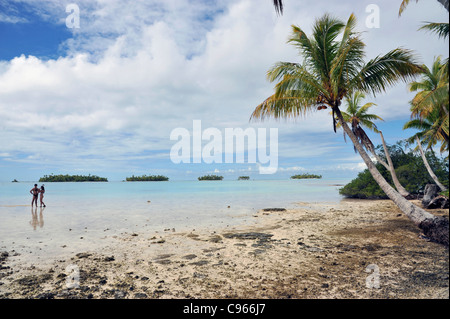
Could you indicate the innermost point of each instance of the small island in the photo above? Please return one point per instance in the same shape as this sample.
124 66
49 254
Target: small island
145 178
210 178
243 178
71 178
306 176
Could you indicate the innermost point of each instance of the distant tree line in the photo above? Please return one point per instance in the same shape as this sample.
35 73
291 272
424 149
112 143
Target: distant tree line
210 178
71 178
145 178
306 176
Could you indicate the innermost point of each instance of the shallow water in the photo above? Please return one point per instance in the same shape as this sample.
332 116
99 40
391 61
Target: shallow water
82 216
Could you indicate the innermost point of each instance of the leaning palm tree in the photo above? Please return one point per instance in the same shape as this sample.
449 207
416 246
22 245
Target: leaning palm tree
430 110
430 131
359 117
333 68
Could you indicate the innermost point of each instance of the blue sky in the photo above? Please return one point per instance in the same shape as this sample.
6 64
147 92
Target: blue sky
104 98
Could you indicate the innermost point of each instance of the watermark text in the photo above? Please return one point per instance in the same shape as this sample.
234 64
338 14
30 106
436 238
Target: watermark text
226 147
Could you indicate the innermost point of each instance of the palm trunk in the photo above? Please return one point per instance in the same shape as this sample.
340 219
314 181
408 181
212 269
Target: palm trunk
379 160
427 165
397 184
433 227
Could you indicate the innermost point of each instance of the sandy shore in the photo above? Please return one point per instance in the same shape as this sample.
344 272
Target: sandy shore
357 249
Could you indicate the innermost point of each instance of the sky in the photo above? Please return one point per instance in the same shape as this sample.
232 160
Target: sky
104 95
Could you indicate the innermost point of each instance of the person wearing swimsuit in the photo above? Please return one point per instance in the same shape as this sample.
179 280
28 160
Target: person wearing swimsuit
42 191
35 192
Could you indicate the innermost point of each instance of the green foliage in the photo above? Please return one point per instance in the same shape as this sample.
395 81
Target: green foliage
306 176
243 178
210 178
410 171
145 178
71 178
364 186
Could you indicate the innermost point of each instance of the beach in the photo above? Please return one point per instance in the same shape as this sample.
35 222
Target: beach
354 249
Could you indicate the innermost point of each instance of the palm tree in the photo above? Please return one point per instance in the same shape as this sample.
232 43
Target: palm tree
331 71
433 91
429 111
430 131
359 117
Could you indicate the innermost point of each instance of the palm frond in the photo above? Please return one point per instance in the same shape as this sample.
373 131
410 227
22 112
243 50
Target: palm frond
416 124
441 29
294 77
426 101
403 6
370 125
431 129
278 6
282 108
384 71
347 64
325 32
350 52
363 109
420 86
307 47
282 69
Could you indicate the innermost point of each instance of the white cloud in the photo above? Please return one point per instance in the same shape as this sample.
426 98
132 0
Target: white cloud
357 167
136 70
292 169
11 19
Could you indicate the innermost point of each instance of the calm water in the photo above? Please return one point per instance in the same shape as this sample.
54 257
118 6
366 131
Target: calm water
80 213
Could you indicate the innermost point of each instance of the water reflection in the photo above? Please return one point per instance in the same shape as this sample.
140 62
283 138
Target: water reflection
35 219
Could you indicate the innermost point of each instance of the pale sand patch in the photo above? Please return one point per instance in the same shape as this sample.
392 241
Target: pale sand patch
316 251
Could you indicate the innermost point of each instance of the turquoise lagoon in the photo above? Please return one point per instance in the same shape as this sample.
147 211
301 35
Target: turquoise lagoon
80 214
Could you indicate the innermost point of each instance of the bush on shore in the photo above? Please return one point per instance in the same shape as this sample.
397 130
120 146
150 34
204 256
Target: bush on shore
411 173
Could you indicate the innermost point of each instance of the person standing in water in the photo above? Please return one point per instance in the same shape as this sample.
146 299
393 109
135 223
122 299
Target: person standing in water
35 192
42 191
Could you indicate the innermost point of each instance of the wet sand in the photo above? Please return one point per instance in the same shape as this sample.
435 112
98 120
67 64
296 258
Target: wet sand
352 250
